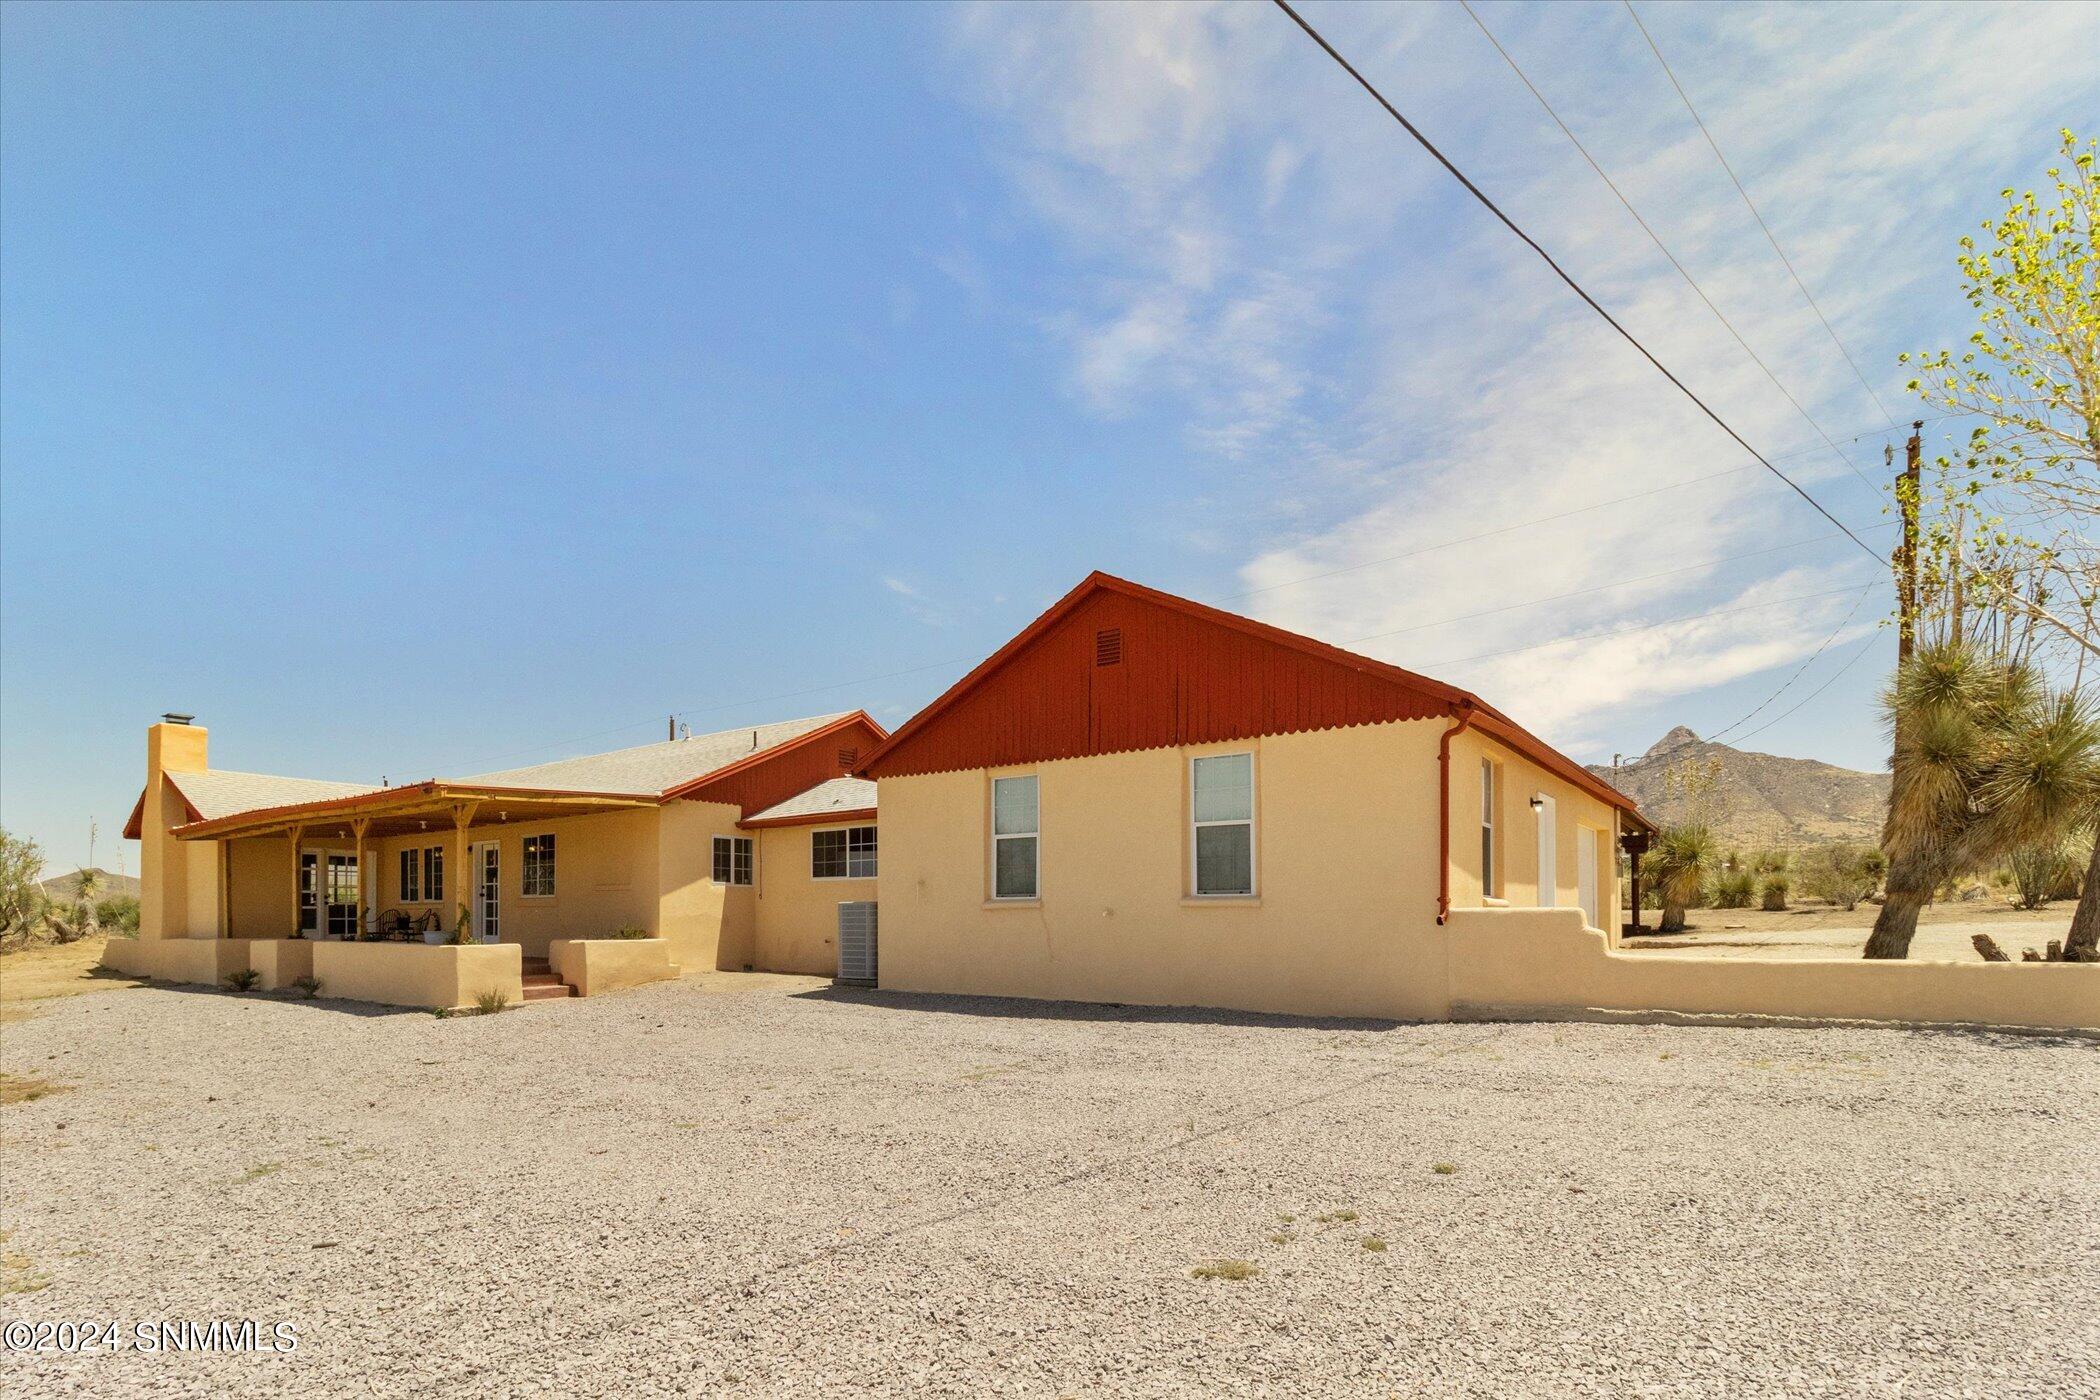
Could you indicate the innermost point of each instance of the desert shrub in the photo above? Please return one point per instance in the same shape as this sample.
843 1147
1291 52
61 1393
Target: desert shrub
490 1002
1773 895
21 898
2039 871
308 987
631 931
243 981
1771 862
119 915
1682 860
1733 888
1843 872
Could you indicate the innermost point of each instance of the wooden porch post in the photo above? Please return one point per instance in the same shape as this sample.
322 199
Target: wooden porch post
357 827
463 878
225 888
294 833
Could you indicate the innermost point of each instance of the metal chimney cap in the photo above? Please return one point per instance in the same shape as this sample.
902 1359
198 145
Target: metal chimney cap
174 718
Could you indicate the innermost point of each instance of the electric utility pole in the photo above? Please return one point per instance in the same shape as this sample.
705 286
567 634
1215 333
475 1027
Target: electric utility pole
1907 490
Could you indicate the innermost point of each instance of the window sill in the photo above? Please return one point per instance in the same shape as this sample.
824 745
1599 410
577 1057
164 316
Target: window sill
1221 901
1013 904
1490 902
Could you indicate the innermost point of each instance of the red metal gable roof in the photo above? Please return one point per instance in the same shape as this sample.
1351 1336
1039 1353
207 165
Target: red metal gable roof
771 776
1114 666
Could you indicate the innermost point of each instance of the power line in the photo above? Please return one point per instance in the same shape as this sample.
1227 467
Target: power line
1863 648
1664 249
1802 670
1622 583
1752 206
1561 273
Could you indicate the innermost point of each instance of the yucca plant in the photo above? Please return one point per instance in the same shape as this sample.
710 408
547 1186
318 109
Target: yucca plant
1986 761
1680 863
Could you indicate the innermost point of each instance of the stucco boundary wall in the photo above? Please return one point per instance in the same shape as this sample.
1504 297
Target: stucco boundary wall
594 965
447 975
436 977
1529 964
206 961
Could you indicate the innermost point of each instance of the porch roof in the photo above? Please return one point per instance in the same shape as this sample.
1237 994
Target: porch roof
222 804
404 811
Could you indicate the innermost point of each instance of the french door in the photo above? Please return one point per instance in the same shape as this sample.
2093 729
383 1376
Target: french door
341 891
309 893
487 866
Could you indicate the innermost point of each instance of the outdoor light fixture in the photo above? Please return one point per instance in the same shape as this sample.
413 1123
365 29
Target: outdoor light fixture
1538 804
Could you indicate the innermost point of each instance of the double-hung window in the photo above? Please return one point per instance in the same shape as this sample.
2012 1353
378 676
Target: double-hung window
732 860
539 866
411 877
1016 837
845 854
434 873
1221 790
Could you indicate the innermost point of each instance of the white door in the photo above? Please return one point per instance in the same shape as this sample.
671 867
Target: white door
1586 875
1549 853
488 882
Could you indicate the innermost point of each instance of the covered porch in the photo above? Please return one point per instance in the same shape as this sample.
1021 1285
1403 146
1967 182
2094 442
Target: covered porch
436 863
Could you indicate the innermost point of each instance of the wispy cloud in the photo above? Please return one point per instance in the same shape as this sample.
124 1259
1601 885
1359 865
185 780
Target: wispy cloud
1374 367
914 601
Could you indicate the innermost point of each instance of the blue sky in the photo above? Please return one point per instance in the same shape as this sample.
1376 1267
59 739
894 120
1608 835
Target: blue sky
420 390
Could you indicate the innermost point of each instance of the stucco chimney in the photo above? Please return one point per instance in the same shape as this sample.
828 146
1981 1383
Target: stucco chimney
175 744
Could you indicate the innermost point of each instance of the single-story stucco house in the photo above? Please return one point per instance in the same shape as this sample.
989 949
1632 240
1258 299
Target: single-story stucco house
1144 799
728 850
1139 799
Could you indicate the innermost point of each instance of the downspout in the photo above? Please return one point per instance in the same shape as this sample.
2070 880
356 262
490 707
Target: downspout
1443 818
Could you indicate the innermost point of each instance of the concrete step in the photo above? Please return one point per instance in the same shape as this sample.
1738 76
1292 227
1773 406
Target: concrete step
542 991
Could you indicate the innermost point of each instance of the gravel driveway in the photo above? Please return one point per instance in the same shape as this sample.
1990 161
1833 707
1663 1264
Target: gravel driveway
760 1187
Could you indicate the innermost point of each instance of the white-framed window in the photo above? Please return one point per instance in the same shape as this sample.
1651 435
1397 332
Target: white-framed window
1016 837
845 854
539 866
434 873
732 860
1488 873
411 877
1221 835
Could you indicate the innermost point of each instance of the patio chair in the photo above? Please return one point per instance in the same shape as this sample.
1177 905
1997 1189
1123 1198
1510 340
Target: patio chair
392 924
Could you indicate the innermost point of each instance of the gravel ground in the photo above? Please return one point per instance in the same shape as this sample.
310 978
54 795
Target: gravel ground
760 1187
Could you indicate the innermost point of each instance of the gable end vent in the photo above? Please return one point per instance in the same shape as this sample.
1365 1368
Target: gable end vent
1108 646
848 757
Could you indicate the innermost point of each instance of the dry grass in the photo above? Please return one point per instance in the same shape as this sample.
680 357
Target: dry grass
1233 1269
55 970
17 1273
1374 1243
1443 1168
19 1088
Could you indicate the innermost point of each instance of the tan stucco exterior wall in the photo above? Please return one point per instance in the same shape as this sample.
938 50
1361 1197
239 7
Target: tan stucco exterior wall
1343 919
1517 843
798 916
709 926
1346 860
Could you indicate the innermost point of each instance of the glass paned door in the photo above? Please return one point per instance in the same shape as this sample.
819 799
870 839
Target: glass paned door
309 892
342 895
487 893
